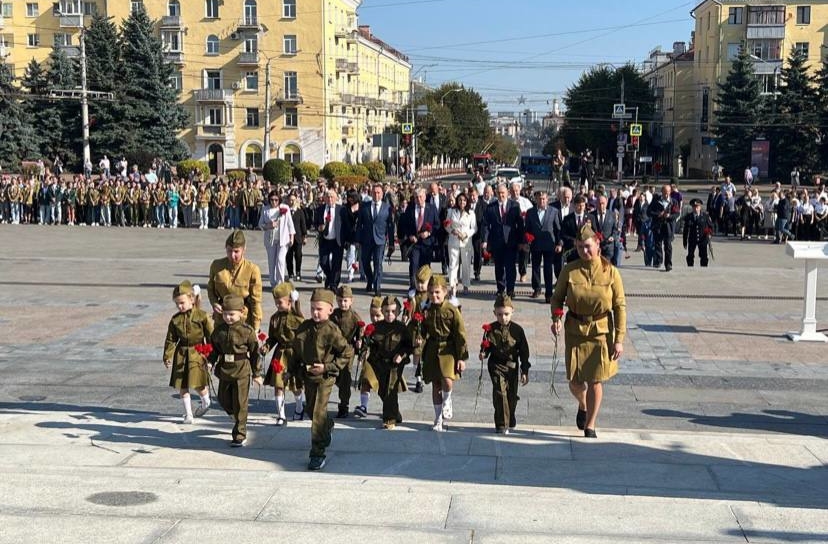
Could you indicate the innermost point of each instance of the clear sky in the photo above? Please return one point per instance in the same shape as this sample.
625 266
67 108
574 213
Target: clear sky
506 49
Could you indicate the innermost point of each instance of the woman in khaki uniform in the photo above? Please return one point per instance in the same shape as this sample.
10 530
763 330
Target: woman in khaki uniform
594 327
236 275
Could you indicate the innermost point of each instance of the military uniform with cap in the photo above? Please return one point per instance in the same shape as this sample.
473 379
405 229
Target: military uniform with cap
696 232
319 342
236 354
507 352
283 326
185 331
419 303
244 280
348 322
445 338
388 341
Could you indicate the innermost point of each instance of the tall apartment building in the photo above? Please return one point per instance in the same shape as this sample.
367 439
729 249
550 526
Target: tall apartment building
770 29
332 83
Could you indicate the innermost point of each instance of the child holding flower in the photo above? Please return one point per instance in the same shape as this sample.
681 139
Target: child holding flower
367 376
351 325
187 333
283 325
417 304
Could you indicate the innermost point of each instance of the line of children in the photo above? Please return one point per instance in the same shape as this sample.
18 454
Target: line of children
350 324
188 328
283 325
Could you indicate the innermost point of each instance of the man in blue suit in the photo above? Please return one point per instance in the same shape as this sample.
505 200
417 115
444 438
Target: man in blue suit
375 226
328 222
543 222
503 231
420 225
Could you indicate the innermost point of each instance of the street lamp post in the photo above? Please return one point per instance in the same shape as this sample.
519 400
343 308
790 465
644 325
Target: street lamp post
445 94
411 117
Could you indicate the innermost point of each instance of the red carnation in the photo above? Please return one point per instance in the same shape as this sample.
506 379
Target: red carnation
558 312
418 317
708 231
487 255
599 237
529 237
407 305
447 223
262 336
283 210
485 344
360 324
328 218
355 266
369 330
276 365
523 215
427 227
487 327
204 349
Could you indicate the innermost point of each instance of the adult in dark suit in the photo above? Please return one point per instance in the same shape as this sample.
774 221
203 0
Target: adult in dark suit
440 202
571 226
663 213
328 222
543 222
503 231
420 225
478 207
375 229
294 253
606 223
564 207
696 232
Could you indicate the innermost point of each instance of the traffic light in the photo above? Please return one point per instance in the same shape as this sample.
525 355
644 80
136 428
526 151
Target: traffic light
635 141
407 139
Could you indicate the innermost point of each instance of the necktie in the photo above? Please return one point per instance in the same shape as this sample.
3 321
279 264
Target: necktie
601 219
420 218
374 211
580 221
502 210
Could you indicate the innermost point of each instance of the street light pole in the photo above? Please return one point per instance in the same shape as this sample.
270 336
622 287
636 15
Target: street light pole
413 117
266 154
87 152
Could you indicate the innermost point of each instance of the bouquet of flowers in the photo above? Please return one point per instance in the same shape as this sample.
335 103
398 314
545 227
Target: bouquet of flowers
367 339
529 237
485 346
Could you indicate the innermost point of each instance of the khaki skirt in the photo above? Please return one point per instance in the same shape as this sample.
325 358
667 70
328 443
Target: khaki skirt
587 351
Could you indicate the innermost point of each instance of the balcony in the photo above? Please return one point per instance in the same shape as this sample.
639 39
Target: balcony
171 21
289 98
767 66
71 51
2 22
765 32
248 58
249 23
212 132
346 98
213 95
174 57
347 131
344 32
342 65
659 92
71 21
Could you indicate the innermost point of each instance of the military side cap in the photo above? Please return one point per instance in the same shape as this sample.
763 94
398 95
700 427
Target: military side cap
438 281
232 303
236 239
503 301
376 302
323 295
423 274
696 202
183 288
344 291
391 301
282 290
585 233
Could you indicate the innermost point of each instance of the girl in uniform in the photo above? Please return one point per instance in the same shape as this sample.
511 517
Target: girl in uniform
283 325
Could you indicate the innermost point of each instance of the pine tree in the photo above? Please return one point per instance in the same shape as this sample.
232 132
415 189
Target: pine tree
18 139
61 118
36 83
796 127
738 105
150 103
822 112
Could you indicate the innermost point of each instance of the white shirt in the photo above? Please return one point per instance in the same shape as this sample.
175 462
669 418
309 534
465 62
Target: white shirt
280 234
463 223
330 211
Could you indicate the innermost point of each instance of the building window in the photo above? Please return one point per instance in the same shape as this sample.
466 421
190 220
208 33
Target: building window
803 15
63 40
290 44
251 44
212 9
32 9
291 118
767 83
6 10
174 8
176 81
766 49
801 48
251 17
68 7
289 9
291 85
171 40
33 40
293 154
213 79
251 81
214 116
90 8
136 5
252 117
212 44
736 16
766 15
253 156
733 50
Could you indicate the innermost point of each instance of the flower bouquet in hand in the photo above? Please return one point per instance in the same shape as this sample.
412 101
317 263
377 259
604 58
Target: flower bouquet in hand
204 350
365 348
557 317
485 347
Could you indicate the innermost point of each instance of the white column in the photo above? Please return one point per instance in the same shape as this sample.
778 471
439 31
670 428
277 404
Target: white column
809 332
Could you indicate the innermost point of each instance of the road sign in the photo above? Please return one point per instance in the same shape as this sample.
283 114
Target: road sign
645 159
621 139
619 110
635 129
408 128
620 148
619 155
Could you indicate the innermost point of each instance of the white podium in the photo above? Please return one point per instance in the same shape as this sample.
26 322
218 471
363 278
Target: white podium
812 253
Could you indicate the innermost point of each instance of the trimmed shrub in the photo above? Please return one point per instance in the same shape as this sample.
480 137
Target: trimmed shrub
309 170
351 181
278 171
187 169
376 171
359 170
336 169
235 174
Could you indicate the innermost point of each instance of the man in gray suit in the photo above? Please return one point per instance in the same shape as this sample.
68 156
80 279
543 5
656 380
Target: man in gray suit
329 224
607 221
375 226
543 224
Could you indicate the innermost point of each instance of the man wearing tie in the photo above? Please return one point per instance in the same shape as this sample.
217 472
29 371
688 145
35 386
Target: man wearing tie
440 202
564 207
543 222
503 231
606 221
663 213
329 224
571 226
374 228
419 225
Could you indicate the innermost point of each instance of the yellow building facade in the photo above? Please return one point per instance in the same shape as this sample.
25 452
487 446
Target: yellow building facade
306 69
770 29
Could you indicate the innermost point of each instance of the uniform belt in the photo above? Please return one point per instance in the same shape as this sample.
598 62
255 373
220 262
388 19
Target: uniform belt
587 318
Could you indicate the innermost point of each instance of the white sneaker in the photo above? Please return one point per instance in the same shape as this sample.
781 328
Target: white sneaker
187 420
448 413
438 427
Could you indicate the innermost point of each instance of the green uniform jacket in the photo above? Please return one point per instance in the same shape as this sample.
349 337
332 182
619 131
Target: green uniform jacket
280 335
508 346
319 343
235 351
418 304
445 342
348 323
244 280
186 329
387 341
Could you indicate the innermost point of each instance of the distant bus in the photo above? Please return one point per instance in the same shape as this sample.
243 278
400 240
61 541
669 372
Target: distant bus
536 166
482 161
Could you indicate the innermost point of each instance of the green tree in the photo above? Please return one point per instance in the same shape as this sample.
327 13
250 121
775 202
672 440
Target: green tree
503 150
150 104
822 109
738 106
36 83
796 125
278 171
62 117
18 140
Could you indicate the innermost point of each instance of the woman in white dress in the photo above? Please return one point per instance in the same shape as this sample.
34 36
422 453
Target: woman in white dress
276 223
460 225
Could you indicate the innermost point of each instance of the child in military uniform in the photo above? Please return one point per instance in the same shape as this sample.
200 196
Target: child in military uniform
236 354
444 351
189 327
366 377
417 303
351 326
283 325
390 349
505 345
319 354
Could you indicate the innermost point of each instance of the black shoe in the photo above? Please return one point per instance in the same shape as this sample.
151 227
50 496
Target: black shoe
535 293
668 268
342 412
238 442
590 433
418 388
316 463
298 416
580 419
511 294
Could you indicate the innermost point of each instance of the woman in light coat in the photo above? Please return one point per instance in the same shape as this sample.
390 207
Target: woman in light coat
460 225
277 225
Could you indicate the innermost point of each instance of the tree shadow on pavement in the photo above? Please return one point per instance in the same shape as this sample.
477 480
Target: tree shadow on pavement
780 421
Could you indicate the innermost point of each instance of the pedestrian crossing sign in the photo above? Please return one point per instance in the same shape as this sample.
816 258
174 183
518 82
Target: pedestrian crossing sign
408 128
635 129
